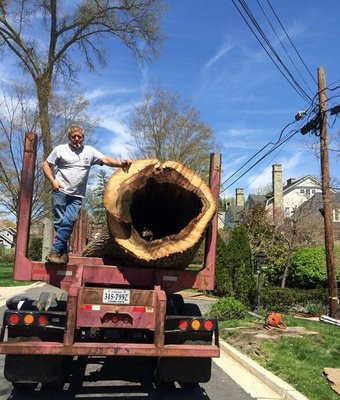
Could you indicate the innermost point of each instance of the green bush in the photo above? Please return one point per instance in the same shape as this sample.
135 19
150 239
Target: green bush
222 277
288 299
7 256
228 308
234 270
308 268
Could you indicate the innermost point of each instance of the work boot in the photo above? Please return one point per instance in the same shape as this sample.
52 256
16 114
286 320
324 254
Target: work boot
64 258
55 257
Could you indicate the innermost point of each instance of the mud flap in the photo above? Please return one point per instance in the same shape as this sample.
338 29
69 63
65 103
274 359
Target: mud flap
34 368
183 369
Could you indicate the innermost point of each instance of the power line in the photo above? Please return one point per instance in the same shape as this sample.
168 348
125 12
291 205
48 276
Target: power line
257 153
247 10
312 76
265 155
282 44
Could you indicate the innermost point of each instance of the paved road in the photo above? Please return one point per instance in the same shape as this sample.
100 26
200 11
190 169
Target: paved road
92 379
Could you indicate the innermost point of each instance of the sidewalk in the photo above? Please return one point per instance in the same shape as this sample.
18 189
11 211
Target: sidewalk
7 292
254 379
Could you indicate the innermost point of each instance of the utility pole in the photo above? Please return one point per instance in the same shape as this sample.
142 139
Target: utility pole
327 199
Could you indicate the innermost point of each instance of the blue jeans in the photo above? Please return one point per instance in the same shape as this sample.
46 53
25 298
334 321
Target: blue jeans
65 212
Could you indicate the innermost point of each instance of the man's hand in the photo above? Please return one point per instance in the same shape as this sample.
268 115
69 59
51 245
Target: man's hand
125 165
56 185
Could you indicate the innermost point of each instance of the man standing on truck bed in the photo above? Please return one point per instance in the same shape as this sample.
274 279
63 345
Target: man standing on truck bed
67 168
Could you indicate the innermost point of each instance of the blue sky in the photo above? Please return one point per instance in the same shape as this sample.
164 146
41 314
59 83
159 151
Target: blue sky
212 59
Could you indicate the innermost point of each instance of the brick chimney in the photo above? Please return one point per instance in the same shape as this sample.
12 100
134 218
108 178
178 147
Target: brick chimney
277 192
239 197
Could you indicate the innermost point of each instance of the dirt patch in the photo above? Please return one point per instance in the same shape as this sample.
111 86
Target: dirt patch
248 339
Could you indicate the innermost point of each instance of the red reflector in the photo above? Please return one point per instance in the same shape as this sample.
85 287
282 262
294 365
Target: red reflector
139 309
87 307
125 320
43 319
208 325
183 324
115 319
106 319
13 319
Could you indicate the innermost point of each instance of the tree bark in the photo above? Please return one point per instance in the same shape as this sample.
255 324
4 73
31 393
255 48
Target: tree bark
156 215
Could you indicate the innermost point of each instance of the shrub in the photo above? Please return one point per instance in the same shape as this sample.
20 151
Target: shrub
222 277
7 256
234 271
228 308
308 268
288 299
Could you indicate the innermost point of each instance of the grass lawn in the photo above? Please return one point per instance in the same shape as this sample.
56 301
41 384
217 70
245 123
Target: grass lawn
300 361
6 276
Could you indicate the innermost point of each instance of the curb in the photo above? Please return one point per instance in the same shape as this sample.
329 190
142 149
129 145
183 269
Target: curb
281 387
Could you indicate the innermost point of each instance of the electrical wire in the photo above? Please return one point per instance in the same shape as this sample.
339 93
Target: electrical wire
257 162
282 44
297 52
297 87
258 152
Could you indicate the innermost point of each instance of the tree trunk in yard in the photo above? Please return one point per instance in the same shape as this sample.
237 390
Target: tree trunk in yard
156 215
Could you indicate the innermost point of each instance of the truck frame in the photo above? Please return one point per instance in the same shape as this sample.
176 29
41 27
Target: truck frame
107 309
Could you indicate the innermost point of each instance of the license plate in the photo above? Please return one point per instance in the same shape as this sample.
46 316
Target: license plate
116 296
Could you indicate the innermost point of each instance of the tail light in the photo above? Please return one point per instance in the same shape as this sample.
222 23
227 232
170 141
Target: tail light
28 319
43 319
208 325
195 324
183 324
13 319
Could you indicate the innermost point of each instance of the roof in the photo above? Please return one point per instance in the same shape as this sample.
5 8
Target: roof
316 201
257 198
292 185
4 238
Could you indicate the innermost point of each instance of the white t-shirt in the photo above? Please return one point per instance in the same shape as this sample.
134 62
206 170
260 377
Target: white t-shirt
72 167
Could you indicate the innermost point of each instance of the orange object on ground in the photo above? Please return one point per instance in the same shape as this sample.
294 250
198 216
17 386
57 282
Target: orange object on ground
274 319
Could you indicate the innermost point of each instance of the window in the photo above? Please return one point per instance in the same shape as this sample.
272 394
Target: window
336 214
302 190
287 212
313 191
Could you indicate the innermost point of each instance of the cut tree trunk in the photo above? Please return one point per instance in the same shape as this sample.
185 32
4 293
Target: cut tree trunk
156 215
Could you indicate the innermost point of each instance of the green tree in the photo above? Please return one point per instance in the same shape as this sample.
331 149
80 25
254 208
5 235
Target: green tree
245 274
166 128
94 200
265 238
223 285
308 268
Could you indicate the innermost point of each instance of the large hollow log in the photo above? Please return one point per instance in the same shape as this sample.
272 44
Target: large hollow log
156 215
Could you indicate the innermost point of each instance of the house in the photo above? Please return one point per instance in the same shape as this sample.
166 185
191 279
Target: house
311 212
7 237
284 199
280 202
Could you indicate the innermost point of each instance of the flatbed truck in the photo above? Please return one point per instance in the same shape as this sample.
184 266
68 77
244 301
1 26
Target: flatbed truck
106 309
